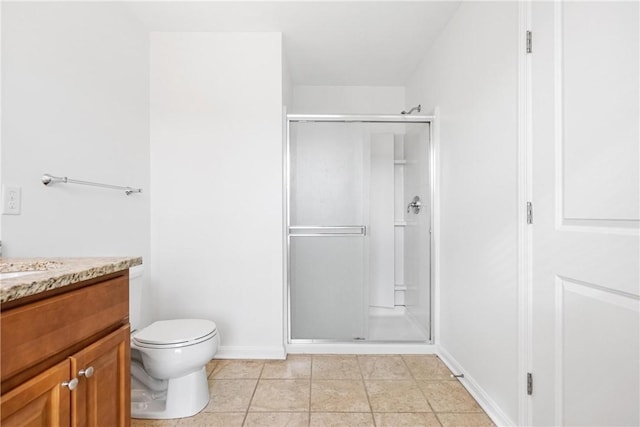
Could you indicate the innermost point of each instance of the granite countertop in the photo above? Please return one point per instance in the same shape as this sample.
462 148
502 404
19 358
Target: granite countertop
52 273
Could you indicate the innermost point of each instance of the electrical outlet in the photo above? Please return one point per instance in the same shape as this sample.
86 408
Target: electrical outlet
11 200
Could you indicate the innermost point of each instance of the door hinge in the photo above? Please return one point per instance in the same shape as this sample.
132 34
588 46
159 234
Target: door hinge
529 383
529 36
529 213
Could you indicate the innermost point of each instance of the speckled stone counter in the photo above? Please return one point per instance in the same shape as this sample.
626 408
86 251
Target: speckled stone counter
52 273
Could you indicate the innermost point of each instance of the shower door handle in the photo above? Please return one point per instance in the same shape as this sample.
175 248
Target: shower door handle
415 204
327 231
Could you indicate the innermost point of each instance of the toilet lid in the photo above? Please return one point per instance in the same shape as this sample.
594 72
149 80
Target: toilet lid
175 331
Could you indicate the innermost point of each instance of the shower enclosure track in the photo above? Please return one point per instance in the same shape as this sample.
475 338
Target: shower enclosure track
359 118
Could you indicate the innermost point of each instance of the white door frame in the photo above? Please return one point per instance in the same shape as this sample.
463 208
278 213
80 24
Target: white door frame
525 191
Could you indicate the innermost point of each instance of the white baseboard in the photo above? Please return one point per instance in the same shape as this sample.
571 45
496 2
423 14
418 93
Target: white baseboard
250 352
486 403
361 348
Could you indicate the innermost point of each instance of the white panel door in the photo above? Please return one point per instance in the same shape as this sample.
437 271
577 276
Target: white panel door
585 288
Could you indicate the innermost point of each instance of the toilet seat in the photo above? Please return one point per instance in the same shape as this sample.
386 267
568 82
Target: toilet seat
175 333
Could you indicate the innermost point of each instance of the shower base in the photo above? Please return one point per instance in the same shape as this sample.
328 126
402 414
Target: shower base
393 324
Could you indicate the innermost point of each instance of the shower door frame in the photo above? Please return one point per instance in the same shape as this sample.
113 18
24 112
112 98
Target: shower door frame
358 118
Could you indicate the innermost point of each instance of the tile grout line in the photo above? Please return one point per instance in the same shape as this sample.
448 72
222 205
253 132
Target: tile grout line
445 381
419 388
255 388
366 391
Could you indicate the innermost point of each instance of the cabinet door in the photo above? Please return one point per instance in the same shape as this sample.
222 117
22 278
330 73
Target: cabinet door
42 401
103 394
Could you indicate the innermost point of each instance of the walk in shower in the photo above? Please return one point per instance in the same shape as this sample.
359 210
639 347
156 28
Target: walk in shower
359 209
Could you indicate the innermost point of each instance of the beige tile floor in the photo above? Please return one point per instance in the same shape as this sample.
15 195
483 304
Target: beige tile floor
333 390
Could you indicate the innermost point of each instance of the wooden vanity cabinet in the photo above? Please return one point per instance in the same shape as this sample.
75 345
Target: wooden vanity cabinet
61 375
103 398
41 401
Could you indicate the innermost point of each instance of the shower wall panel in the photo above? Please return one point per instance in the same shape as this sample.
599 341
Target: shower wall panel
417 250
381 220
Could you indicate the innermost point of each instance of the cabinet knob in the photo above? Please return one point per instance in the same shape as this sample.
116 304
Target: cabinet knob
72 384
86 372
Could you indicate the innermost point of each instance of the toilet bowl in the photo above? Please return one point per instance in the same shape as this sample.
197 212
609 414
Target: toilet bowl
168 374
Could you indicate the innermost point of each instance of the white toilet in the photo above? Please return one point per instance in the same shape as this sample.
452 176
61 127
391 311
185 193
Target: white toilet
168 372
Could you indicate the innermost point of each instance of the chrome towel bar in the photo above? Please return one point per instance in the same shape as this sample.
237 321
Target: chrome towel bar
48 179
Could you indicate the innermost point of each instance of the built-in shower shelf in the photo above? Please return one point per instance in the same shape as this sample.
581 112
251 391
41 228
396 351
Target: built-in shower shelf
399 162
400 287
400 223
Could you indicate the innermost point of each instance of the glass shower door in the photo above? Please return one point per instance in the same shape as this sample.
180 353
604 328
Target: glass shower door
327 232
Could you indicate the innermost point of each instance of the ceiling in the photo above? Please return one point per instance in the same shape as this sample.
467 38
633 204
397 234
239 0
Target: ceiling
361 43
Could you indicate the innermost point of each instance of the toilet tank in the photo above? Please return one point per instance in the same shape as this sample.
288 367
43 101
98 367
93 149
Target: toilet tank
136 281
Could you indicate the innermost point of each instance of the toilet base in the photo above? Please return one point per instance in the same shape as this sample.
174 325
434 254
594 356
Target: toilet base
184 397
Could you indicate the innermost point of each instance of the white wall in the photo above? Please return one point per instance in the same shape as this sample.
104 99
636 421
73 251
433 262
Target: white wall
216 172
287 85
75 103
347 99
471 74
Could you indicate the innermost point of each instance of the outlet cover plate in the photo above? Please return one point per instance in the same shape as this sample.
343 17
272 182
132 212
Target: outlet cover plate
11 200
